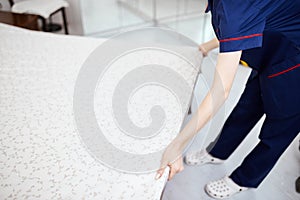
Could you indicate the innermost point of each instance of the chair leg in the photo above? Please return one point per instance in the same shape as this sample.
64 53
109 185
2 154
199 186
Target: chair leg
43 23
65 20
298 184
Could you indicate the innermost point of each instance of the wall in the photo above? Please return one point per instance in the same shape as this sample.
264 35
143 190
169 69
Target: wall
4 5
74 16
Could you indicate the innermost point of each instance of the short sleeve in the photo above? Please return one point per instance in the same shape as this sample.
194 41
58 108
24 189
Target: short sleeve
240 25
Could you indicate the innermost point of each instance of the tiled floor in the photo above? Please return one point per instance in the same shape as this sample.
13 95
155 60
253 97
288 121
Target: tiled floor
106 17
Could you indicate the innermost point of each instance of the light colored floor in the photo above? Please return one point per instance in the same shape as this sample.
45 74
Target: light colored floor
106 17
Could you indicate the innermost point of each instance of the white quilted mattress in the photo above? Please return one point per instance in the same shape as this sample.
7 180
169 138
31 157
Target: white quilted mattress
47 148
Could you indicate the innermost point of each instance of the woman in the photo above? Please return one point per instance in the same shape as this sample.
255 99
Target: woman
265 34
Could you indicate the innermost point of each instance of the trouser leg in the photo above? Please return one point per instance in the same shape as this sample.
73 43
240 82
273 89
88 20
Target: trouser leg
242 119
276 135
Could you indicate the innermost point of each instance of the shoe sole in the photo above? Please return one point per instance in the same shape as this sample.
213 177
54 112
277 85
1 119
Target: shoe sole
200 164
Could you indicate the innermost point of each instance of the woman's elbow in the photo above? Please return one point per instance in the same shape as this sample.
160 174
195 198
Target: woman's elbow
221 94
226 90
226 94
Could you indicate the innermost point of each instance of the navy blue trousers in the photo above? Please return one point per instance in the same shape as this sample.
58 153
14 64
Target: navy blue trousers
275 136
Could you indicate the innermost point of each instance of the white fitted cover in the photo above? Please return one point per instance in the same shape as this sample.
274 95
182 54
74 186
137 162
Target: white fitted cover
41 153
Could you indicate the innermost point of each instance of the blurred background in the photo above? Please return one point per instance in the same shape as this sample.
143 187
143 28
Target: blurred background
104 18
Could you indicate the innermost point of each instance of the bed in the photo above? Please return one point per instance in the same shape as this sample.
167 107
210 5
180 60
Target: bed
48 148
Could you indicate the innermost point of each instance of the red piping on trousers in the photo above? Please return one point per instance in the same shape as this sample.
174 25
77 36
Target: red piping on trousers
284 71
241 38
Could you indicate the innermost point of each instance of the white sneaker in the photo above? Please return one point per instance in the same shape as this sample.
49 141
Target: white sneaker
223 188
200 158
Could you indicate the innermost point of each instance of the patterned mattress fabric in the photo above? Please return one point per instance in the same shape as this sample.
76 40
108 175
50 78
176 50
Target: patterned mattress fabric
50 148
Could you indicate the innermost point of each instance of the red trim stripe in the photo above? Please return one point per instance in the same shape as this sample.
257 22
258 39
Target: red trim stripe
284 71
242 37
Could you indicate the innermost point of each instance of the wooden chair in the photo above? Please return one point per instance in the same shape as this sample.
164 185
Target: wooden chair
44 9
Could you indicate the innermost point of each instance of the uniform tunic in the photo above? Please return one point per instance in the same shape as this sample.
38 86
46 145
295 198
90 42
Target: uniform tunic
268 32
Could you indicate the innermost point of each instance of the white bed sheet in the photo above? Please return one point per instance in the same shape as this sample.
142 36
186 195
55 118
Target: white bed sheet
41 153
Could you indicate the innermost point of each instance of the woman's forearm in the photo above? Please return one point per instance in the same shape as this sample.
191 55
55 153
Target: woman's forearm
224 75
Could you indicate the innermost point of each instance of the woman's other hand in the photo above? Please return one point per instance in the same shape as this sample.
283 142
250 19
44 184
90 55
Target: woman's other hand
203 50
206 47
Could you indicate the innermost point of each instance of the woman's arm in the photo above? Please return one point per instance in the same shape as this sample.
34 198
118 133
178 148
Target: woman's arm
226 68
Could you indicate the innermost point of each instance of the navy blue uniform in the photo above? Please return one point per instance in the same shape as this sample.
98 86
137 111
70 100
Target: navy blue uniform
268 33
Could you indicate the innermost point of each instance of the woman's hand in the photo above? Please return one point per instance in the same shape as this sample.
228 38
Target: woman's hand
203 50
172 157
208 46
